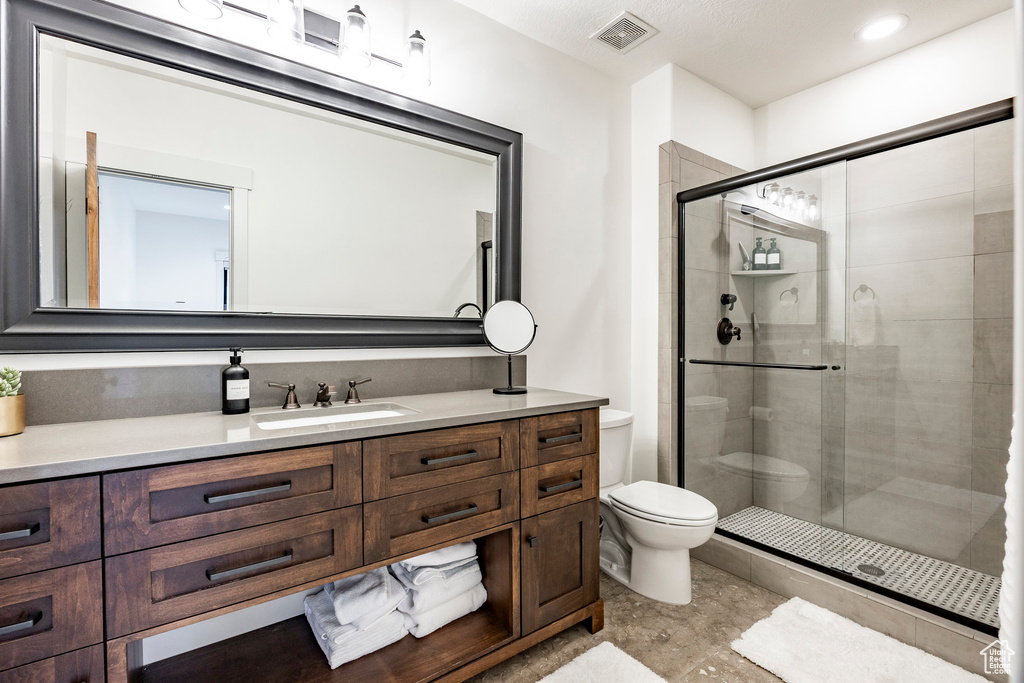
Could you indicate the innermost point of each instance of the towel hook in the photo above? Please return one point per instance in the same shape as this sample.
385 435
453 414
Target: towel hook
864 289
792 290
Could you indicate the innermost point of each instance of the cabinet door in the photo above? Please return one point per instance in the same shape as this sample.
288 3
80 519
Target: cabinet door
559 563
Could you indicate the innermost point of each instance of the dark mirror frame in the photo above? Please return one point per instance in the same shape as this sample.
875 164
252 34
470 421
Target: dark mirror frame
27 327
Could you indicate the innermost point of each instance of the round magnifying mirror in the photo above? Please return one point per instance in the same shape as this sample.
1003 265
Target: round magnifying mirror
509 328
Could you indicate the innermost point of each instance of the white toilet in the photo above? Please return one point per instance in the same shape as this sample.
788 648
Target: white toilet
649 527
776 482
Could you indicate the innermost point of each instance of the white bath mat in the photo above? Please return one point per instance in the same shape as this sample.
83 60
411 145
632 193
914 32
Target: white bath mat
603 664
804 643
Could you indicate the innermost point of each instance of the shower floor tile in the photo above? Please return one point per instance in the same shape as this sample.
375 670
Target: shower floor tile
948 586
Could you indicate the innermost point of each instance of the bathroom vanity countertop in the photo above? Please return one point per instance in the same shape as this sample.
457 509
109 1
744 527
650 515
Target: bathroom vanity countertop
62 450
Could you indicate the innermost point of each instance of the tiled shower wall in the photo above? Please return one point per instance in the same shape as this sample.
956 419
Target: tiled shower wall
683 168
929 362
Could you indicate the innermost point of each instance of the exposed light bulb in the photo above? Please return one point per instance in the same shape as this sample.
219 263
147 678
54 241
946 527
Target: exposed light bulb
417 60
801 202
772 193
883 27
286 20
355 39
812 208
207 9
787 198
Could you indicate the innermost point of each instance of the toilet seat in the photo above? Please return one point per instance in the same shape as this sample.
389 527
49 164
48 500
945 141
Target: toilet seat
664 503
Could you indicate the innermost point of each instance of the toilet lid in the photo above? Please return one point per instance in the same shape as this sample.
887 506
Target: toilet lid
762 466
664 500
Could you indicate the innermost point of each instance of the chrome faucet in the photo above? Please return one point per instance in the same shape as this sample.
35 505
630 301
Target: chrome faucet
291 401
353 394
324 395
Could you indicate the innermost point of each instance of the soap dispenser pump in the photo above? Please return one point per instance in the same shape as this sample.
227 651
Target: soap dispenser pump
234 386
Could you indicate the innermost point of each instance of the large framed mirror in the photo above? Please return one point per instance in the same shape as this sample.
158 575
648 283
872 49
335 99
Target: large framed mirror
165 189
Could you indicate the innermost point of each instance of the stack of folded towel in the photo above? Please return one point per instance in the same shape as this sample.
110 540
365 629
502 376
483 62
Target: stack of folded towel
358 615
443 586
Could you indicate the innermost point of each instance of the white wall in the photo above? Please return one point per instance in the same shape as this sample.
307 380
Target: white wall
961 70
175 260
669 104
575 123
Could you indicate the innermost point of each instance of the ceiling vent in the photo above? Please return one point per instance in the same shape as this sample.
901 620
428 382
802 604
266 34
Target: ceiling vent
624 32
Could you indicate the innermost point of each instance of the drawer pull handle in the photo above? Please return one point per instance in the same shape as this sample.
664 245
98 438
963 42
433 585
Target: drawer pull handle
217 576
574 484
33 619
575 436
472 509
20 533
449 458
533 541
211 499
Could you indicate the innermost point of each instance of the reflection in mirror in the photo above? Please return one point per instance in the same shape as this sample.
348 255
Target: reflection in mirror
162 190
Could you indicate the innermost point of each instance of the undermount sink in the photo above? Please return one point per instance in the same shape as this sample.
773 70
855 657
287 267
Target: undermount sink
312 417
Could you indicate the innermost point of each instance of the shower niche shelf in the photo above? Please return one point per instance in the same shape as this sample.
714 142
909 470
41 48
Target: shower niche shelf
762 273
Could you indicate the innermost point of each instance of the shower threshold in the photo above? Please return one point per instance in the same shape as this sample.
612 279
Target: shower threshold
965 595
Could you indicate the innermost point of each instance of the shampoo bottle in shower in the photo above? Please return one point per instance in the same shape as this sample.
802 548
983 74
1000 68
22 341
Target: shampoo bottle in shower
234 386
774 257
760 256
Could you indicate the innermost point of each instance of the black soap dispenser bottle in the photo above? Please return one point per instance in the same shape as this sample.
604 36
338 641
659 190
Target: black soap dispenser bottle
760 256
774 257
234 386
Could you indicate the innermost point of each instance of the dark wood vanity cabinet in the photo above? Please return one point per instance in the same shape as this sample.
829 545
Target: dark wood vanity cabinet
189 542
560 563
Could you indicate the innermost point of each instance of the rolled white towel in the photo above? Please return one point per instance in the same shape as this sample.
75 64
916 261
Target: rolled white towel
425 623
361 594
343 644
436 591
453 553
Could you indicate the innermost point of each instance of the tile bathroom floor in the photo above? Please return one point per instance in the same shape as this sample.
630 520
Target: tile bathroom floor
688 643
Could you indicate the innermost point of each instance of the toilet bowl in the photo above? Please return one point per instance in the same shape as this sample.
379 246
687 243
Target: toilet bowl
649 528
775 481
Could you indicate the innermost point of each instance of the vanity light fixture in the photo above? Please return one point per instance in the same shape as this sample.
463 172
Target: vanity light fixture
800 204
417 60
787 198
882 27
286 19
207 9
354 46
812 208
349 38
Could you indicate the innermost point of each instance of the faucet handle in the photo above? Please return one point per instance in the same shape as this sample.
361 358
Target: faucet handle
291 401
353 394
324 395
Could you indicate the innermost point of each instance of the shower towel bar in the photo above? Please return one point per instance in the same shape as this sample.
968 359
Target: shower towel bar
771 366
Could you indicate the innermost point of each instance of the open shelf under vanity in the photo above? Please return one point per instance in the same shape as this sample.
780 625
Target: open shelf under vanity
287 651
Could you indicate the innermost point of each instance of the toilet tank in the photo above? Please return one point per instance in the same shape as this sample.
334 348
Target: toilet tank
616 445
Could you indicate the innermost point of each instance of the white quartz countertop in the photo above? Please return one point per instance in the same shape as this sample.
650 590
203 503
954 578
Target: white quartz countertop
76 448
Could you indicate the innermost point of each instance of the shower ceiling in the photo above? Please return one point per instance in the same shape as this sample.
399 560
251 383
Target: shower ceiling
757 51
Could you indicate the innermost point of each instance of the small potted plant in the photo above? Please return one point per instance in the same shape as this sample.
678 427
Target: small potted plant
12 404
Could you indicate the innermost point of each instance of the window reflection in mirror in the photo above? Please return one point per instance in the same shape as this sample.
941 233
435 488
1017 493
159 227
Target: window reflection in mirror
326 214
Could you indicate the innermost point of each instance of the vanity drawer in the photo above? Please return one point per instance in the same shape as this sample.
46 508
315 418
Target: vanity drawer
547 438
558 484
161 505
48 613
81 666
400 525
157 586
396 465
49 525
